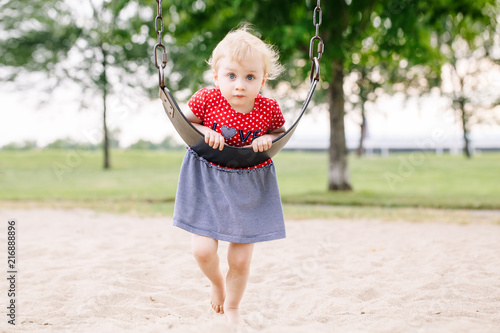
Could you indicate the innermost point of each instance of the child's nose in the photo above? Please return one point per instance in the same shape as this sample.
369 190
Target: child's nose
240 85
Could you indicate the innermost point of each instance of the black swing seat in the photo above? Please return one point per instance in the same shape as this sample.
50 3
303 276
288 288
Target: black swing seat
230 157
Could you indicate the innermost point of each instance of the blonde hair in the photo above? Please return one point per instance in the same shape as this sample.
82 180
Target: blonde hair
240 44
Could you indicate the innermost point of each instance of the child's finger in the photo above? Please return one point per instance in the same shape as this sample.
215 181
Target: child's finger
212 141
215 140
267 144
221 142
255 146
262 145
209 139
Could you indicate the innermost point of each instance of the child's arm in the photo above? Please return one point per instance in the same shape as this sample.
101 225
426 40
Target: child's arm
264 142
214 139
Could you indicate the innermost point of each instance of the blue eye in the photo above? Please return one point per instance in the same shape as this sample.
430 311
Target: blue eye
250 77
231 76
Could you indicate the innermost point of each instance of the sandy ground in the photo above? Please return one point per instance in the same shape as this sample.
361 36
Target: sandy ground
83 271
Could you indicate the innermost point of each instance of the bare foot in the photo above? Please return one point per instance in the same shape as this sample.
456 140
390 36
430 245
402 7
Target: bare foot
233 317
217 296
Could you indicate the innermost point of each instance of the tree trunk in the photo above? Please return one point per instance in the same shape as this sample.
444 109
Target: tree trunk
338 175
105 141
361 149
362 96
104 82
465 128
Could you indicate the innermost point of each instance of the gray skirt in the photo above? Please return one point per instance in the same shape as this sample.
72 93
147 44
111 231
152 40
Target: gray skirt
238 206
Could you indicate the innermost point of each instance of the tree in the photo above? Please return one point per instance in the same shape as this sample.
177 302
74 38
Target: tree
467 48
362 91
103 46
400 35
372 73
143 145
68 143
25 145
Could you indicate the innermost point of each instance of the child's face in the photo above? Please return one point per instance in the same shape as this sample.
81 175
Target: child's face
240 83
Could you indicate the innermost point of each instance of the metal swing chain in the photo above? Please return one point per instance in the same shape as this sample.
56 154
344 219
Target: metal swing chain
159 45
317 20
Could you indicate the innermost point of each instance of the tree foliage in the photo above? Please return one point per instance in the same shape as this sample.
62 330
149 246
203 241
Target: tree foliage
103 46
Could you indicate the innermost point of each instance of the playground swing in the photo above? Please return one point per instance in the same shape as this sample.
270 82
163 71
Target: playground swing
231 157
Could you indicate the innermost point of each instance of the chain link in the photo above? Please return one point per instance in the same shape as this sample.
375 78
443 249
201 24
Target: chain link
159 19
317 20
159 45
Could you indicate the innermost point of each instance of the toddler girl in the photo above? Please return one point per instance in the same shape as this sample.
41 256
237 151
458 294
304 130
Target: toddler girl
240 206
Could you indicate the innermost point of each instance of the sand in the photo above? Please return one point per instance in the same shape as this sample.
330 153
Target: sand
86 271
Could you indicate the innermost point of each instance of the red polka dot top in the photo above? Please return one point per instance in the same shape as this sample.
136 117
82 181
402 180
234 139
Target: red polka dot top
239 129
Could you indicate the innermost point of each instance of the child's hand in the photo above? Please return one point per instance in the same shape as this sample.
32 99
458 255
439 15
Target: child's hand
262 143
214 139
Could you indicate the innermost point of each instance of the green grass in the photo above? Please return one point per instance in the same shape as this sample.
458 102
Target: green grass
400 180
78 176
145 182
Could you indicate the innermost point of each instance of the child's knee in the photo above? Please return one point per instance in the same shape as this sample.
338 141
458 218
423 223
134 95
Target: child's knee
240 262
203 254
204 248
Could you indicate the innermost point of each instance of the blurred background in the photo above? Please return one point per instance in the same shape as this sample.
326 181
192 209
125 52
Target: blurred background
406 114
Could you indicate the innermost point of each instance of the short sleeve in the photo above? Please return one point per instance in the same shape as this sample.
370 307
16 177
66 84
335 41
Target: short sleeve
198 103
277 118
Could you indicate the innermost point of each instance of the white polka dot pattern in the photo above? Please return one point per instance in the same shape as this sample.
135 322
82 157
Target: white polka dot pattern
239 129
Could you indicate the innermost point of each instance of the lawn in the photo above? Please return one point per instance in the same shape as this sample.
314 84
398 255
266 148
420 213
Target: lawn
145 182
401 180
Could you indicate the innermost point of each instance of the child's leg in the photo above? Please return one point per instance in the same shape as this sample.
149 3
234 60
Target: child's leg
205 253
239 257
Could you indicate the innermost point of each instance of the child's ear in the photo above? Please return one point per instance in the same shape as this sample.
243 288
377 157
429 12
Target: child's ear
264 79
216 77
